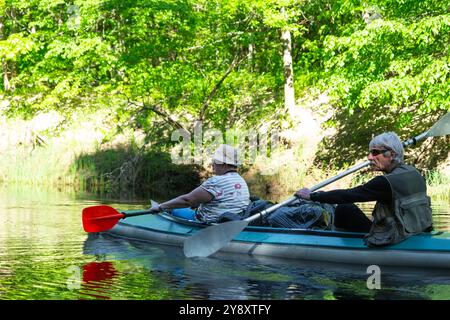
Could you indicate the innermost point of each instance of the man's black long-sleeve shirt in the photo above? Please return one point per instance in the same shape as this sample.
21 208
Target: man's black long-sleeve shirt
377 189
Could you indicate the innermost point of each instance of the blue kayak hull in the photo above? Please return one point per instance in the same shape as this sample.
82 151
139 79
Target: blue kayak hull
424 250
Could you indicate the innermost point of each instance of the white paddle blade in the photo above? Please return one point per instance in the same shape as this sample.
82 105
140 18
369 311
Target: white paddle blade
153 203
211 239
440 128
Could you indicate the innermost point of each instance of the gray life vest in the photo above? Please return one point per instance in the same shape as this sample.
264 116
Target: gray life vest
410 211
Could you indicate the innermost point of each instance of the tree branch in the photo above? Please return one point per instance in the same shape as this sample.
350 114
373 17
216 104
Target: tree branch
160 112
236 61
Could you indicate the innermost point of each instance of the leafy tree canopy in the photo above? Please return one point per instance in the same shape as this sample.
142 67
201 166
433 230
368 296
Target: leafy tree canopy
160 65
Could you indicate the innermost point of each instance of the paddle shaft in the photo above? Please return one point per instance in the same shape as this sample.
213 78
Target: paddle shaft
314 188
330 180
134 214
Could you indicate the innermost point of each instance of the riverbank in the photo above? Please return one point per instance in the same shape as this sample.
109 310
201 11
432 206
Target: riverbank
89 155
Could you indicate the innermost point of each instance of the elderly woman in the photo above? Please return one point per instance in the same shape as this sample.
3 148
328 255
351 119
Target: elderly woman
227 191
402 206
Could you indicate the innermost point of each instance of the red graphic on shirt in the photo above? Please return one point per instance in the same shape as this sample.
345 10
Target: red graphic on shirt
237 186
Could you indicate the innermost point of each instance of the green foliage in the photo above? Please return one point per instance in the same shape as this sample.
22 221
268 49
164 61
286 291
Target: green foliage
386 68
401 64
130 170
190 59
161 65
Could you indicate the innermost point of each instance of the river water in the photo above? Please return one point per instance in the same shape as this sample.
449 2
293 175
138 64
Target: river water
45 254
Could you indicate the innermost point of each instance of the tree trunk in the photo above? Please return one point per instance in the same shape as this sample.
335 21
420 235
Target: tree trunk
251 52
6 84
289 92
307 129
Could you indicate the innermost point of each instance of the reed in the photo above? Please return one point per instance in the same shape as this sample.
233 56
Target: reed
438 185
40 166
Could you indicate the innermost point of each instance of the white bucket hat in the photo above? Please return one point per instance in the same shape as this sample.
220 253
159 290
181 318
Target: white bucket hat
226 154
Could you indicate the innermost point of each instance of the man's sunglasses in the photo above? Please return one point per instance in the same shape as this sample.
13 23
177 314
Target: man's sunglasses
376 152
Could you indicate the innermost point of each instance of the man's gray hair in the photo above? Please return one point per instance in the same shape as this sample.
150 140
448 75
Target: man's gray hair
389 140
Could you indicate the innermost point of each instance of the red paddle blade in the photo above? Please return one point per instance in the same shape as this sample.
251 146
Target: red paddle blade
100 218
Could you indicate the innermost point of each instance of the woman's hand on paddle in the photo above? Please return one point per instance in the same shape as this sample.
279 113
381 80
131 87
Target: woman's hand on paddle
303 193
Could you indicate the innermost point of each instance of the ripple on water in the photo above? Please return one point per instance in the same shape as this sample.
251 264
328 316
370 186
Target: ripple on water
45 254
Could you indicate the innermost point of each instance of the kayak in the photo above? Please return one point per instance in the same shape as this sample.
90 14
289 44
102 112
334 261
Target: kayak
424 250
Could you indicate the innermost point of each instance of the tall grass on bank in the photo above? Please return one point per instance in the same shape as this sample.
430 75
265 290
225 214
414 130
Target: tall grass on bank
40 166
438 185
87 154
41 151
120 170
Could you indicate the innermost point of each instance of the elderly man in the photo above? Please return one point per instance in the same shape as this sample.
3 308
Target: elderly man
226 191
402 205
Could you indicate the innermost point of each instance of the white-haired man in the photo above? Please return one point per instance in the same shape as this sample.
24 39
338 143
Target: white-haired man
225 192
402 205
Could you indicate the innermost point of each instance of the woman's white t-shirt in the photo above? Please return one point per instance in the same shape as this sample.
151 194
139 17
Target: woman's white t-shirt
230 194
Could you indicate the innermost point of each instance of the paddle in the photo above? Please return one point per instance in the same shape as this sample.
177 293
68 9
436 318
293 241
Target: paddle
102 218
211 239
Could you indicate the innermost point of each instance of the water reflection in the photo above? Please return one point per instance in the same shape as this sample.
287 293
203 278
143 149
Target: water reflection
98 277
45 254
